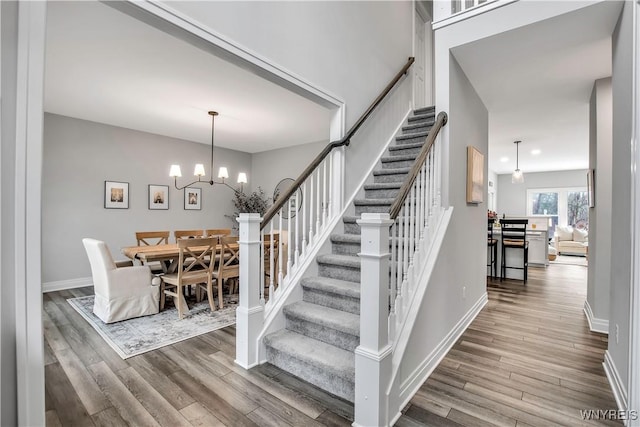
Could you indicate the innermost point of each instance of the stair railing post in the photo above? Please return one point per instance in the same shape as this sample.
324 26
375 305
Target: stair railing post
250 313
373 355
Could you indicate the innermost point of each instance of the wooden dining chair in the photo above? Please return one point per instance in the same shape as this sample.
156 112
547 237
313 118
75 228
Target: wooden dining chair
187 234
194 268
153 238
229 264
217 232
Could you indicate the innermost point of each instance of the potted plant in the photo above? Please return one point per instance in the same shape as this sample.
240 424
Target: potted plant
255 202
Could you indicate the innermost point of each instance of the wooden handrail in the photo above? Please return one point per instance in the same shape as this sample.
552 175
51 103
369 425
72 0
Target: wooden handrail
395 208
273 210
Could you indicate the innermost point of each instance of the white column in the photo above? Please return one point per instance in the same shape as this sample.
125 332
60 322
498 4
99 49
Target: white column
249 314
337 181
373 355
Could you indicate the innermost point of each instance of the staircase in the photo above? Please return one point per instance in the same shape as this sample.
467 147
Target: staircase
323 330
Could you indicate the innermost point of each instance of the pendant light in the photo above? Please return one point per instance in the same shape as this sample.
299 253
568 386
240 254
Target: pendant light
517 177
199 171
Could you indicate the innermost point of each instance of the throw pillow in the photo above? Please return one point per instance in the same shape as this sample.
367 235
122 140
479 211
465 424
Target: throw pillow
564 232
580 235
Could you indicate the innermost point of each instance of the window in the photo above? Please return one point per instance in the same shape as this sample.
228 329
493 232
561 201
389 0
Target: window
565 206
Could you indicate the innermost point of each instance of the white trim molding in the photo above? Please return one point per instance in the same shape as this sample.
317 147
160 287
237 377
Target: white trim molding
60 285
617 387
411 385
595 325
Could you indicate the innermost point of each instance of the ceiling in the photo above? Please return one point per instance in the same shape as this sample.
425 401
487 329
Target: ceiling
105 66
536 82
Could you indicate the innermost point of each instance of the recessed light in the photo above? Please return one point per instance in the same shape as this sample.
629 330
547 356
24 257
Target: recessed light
504 159
535 152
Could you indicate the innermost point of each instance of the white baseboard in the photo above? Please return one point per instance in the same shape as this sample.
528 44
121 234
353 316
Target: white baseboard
431 362
595 324
619 391
66 284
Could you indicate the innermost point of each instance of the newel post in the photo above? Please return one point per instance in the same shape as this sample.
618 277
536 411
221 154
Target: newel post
373 355
249 314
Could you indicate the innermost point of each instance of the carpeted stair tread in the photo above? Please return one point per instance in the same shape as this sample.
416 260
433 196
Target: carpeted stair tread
345 238
406 146
412 135
384 186
373 202
333 286
391 171
417 125
324 316
425 110
326 366
420 117
398 158
339 260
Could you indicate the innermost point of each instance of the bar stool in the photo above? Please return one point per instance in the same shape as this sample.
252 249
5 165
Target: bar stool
492 245
514 236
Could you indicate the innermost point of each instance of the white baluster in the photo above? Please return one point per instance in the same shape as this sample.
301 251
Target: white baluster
272 272
393 284
324 194
400 264
311 240
262 301
280 246
289 245
296 207
318 202
304 218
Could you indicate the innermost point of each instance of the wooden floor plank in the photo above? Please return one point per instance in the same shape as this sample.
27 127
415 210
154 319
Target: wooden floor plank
64 399
129 408
199 416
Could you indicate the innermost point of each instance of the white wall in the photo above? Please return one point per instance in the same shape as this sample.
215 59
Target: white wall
621 194
8 80
513 197
462 260
492 190
80 155
348 49
600 159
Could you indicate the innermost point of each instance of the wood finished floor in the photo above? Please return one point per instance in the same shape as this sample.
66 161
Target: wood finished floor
527 360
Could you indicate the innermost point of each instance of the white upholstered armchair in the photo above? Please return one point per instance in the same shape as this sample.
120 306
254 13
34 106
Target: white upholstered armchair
120 293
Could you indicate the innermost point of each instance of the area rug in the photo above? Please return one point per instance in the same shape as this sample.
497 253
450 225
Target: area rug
570 260
136 336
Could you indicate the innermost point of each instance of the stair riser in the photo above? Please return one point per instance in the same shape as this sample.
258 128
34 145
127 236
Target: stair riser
344 248
313 374
339 272
381 193
398 164
395 177
425 110
407 151
336 301
372 209
421 118
351 228
322 333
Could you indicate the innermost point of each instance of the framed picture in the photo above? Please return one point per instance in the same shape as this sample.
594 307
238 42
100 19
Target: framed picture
193 198
158 196
116 195
590 188
475 175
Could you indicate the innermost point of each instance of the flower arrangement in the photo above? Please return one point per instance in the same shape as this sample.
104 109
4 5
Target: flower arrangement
255 202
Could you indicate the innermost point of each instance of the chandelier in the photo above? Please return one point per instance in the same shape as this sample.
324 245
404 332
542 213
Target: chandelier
517 177
199 171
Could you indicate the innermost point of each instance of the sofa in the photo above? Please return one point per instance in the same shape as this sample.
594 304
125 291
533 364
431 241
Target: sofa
571 241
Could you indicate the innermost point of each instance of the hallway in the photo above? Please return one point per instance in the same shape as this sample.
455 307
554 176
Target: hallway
528 359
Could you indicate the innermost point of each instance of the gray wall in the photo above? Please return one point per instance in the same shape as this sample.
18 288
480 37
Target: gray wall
600 159
512 198
80 155
269 167
8 84
621 192
462 259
